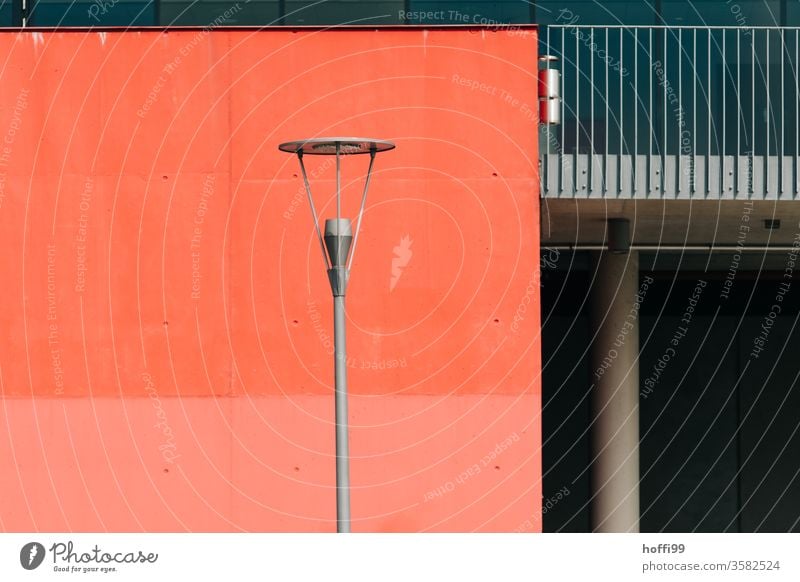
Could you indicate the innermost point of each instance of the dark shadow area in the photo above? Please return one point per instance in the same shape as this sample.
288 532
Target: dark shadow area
719 402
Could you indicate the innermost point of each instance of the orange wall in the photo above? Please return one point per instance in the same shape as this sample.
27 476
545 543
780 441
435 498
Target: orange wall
165 362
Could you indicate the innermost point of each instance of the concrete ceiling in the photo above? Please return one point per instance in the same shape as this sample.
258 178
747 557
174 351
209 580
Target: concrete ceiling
670 222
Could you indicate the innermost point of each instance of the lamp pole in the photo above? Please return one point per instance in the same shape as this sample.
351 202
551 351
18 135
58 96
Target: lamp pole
338 236
338 249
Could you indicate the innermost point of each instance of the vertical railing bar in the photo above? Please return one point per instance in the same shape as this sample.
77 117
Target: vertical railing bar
693 189
724 113
607 115
769 116
781 120
621 114
590 184
752 160
577 111
738 92
796 110
563 131
682 112
663 171
710 113
649 177
634 163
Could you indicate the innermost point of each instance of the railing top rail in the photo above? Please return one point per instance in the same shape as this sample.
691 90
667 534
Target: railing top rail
671 27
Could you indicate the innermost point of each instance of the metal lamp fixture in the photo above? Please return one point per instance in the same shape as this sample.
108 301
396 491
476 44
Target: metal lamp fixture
338 249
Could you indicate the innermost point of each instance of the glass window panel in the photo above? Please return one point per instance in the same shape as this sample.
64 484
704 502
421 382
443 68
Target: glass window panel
469 12
219 13
717 13
5 13
94 13
344 12
591 12
792 13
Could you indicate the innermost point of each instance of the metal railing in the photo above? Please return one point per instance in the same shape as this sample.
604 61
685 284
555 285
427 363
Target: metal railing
652 111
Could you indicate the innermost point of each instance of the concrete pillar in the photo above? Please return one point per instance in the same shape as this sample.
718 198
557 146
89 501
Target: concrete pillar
615 315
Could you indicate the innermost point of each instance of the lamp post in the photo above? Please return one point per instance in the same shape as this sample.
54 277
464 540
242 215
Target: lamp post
338 247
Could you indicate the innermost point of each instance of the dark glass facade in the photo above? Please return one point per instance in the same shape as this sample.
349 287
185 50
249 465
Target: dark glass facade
393 12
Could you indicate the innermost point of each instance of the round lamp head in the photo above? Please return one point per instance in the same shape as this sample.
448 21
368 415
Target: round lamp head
328 146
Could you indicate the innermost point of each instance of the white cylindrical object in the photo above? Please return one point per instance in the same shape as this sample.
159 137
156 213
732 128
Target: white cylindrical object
615 393
550 111
549 84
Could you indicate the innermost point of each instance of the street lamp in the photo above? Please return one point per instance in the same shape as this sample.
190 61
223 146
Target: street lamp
338 243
